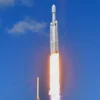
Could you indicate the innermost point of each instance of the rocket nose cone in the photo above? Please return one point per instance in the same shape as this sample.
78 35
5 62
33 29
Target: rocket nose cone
53 5
53 8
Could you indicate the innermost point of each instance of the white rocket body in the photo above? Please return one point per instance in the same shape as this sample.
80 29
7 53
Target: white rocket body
54 32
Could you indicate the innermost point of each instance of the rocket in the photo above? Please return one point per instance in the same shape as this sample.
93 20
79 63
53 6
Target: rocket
54 32
37 98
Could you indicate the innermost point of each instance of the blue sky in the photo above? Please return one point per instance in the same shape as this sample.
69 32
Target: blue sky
25 49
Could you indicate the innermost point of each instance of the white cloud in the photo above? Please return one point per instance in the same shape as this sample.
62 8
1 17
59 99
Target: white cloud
28 25
28 3
6 3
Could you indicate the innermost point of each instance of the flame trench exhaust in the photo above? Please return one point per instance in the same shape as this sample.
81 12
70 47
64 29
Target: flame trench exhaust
54 58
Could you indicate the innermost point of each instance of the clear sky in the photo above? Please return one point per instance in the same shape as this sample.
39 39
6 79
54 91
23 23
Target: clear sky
25 49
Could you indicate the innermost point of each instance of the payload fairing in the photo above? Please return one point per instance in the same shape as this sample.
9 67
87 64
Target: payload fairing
54 32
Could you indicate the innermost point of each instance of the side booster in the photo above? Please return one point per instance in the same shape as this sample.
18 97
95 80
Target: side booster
54 32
